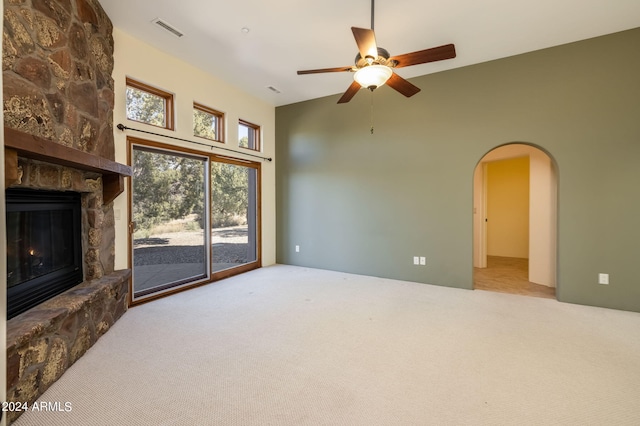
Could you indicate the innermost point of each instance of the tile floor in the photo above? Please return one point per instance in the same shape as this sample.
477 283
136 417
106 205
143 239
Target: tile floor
509 275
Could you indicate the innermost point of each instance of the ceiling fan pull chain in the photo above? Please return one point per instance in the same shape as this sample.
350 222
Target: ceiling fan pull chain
372 112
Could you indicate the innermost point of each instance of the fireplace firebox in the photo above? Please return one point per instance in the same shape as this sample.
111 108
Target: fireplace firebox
44 246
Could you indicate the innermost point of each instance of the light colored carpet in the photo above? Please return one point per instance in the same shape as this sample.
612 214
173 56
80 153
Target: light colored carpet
286 345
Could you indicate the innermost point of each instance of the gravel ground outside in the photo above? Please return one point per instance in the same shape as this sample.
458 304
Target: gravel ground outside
230 245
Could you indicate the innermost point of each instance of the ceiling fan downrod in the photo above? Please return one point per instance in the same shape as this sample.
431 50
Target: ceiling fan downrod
372 9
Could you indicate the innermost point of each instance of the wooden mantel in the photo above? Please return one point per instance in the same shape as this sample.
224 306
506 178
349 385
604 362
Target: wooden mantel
17 143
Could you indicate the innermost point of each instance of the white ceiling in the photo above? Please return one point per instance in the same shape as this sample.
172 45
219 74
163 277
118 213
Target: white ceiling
289 35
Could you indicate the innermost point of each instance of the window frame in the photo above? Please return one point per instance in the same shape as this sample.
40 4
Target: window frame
168 97
256 133
220 117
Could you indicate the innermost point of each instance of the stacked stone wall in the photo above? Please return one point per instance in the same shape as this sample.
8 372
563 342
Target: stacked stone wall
57 64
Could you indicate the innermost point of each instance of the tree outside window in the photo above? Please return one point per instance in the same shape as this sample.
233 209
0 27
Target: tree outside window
149 105
208 123
248 135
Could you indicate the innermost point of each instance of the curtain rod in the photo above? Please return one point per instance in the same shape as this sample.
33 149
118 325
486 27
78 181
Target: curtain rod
123 128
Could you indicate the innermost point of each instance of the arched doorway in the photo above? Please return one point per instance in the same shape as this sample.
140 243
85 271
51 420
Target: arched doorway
515 221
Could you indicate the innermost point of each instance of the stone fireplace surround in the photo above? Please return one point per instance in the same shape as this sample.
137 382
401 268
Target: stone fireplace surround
58 102
47 339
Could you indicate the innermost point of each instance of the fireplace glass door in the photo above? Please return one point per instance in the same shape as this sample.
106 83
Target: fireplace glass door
44 249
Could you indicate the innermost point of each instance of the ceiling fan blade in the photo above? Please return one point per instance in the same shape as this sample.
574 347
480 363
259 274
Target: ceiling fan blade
448 51
402 85
350 93
339 69
366 41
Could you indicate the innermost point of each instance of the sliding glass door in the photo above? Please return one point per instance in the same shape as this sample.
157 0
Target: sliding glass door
233 215
169 195
194 218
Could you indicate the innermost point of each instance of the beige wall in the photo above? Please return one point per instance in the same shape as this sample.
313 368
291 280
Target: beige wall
508 208
144 63
543 216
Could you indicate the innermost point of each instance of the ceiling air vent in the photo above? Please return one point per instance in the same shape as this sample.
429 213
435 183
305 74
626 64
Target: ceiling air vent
164 24
273 89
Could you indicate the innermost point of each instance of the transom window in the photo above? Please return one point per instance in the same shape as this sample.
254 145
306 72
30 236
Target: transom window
248 135
208 123
149 105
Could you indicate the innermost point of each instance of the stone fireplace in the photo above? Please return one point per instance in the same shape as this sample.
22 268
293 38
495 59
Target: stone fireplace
58 108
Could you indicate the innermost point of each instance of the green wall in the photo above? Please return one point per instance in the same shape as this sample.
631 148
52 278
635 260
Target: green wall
367 204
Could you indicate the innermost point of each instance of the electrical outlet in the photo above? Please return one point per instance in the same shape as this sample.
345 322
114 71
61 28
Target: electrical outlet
423 260
416 260
603 279
297 249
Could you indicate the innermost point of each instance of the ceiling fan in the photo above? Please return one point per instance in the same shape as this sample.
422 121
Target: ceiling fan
374 66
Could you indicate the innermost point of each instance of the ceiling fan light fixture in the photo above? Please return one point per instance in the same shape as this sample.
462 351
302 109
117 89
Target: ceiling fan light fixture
374 66
373 76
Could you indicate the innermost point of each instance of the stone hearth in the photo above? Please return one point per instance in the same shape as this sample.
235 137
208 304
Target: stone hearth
46 340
